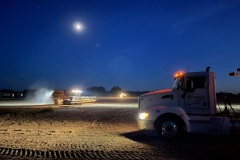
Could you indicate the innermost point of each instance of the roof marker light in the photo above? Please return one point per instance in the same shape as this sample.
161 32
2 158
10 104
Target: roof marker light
178 74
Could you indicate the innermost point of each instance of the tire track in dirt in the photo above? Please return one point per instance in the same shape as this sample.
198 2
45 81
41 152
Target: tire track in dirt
81 154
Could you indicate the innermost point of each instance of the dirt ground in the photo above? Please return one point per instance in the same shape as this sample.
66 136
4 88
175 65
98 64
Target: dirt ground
97 131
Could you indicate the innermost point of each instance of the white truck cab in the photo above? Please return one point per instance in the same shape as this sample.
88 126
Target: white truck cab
189 107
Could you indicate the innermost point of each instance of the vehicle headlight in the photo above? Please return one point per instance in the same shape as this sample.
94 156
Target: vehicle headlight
143 115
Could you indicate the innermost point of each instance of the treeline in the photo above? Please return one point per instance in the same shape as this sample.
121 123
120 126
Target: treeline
115 91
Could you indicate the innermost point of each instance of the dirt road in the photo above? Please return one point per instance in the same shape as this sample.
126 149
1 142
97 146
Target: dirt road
96 131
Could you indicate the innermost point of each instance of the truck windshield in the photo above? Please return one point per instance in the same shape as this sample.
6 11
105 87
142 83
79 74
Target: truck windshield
178 83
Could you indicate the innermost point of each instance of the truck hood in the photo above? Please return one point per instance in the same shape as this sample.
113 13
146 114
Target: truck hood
158 92
164 97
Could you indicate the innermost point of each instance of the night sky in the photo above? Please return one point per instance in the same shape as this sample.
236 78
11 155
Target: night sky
137 45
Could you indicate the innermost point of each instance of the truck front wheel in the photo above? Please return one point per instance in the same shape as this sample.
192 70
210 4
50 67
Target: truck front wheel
169 127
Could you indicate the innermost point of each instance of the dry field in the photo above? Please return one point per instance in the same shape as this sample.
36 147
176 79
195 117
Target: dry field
96 131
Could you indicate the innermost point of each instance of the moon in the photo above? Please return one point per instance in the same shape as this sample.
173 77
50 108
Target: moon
78 27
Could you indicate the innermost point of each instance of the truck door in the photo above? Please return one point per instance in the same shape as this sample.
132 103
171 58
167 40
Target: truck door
195 95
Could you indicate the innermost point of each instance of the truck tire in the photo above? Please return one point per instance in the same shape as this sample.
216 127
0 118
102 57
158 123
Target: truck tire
169 127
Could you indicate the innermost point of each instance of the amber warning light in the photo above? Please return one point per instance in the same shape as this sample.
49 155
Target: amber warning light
178 74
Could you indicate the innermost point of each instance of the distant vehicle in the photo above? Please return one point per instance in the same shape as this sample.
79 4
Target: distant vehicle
189 107
67 97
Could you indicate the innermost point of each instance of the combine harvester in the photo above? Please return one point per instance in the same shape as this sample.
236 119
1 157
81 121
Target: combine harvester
67 97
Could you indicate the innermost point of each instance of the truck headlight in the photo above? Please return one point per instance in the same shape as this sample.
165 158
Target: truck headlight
143 115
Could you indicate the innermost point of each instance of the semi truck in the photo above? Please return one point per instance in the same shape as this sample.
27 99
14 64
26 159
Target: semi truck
190 106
